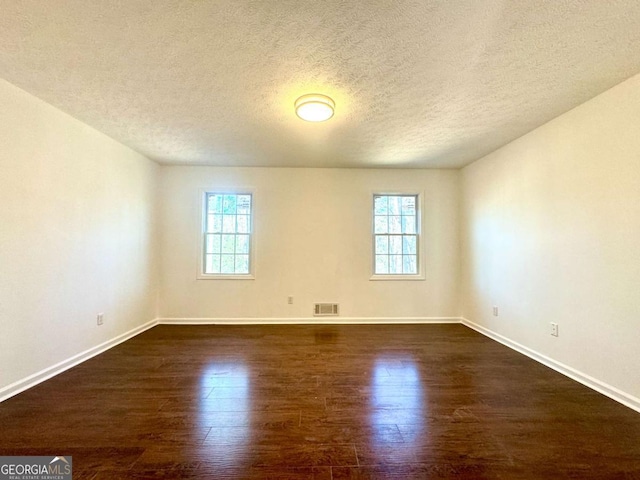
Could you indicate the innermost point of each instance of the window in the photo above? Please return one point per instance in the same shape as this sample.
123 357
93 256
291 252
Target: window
227 235
396 236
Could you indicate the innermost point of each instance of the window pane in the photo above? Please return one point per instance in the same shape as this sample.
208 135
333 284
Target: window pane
242 244
410 265
409 245
382 244
229 224
243 224
408 224
396 234
215 204
382 264
229 205
228 243
244 204
212 264
395 244
213 244
394 224
395 264
395 205
380 205
214 223
242 264
408 205
381 224
227 264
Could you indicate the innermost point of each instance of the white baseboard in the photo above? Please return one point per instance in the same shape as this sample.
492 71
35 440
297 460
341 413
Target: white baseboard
597 385
39 377
593 383
308 320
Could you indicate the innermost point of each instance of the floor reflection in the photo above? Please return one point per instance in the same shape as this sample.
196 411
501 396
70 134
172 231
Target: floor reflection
398 398
227 410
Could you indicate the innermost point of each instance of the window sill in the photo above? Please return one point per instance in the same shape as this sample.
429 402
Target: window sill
203 276
397 277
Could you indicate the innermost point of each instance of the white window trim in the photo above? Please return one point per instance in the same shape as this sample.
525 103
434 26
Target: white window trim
421 241
201 235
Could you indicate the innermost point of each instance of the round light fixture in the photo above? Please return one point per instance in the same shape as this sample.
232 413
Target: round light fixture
314 107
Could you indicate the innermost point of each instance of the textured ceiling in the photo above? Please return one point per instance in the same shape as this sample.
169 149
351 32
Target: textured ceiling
418 83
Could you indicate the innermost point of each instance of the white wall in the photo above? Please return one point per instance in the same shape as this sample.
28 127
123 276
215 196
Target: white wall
313 241
76 236
551 233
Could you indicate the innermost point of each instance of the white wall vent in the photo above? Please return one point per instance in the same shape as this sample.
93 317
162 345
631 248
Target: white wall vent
325 309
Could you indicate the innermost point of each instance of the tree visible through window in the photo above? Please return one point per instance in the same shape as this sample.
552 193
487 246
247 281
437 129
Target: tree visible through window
395 228
227 234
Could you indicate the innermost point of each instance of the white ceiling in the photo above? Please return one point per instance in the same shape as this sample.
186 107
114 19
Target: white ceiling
418 83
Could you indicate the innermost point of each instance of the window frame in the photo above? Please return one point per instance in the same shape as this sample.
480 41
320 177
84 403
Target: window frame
419 240
202 234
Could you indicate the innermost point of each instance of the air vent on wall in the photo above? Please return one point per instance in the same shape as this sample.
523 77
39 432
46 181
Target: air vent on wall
325 309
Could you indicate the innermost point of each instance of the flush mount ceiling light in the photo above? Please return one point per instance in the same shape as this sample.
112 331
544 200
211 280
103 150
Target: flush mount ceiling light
315 107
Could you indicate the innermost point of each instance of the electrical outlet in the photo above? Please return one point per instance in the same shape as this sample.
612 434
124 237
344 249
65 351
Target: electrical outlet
495 311
554 329
100 318
290 300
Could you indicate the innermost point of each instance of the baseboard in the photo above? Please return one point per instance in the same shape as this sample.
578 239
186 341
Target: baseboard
307 321
593 383
39 377
597 385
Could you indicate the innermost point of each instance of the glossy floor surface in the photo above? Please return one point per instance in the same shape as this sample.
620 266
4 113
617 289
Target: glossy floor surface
325 402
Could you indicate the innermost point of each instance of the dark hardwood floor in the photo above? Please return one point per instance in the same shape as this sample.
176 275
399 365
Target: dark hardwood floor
325 402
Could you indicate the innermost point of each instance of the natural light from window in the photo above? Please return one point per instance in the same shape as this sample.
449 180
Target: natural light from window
397 398
395 228
227 234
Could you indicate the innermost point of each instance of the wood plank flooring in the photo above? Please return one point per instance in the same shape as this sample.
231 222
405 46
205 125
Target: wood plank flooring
321 402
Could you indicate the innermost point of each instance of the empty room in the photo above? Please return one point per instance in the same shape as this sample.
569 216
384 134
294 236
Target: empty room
328 240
